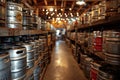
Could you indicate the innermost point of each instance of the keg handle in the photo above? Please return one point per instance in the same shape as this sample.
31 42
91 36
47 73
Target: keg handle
19 52
27 67
6 60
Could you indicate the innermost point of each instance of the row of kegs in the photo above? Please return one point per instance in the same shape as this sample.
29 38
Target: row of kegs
97 69
15 15
107 42
111 46
15 60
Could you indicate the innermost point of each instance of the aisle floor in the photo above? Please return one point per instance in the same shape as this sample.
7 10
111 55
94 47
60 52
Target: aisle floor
63 65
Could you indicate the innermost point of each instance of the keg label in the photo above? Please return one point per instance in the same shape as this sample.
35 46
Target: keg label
18 17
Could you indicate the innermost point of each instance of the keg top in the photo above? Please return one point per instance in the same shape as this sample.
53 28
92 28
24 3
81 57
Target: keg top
16 47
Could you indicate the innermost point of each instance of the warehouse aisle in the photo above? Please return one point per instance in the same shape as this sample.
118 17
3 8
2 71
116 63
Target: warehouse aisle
63 66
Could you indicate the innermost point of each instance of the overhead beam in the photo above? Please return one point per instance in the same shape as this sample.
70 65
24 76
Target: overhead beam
49 7
79 8
55 2
45 1
26 4
64 7
62 4
35 2
72 6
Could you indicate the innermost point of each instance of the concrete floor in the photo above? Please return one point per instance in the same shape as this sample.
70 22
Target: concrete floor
63 66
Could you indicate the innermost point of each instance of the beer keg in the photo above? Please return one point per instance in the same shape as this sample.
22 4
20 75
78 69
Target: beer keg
37 72
18 62
5 73
30 53
35 47
27 18
14 15
112 46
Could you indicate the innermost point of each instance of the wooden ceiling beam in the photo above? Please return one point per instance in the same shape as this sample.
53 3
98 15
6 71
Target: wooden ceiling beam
35 2
49 7
64 7
26 4
72 6
55 2
45 1
79 8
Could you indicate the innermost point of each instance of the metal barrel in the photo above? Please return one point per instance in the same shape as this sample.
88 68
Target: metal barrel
37 72
30 53
14 15
5 73
18 62
112 46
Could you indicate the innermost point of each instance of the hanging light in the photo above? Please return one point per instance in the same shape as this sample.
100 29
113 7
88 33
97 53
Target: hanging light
51 9
80 2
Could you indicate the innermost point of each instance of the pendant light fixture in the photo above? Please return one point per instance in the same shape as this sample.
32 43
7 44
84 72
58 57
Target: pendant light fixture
80 2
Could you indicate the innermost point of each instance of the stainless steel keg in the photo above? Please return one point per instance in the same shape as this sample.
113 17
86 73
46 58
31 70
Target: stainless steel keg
18 61
35 47
112 47
27 18
37 72
113 59
38 47
30 53
14 15
20 75
5 73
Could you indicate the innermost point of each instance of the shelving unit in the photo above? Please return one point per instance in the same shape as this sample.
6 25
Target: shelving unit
45 55
106 23
110 23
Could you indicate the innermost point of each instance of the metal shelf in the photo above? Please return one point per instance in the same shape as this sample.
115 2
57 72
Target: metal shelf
99 54
113 20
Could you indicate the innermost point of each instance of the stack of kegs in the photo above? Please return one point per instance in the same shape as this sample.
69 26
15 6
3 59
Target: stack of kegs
14 15
112 47
2 13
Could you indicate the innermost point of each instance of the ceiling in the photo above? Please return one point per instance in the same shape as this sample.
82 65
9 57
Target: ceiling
62 7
